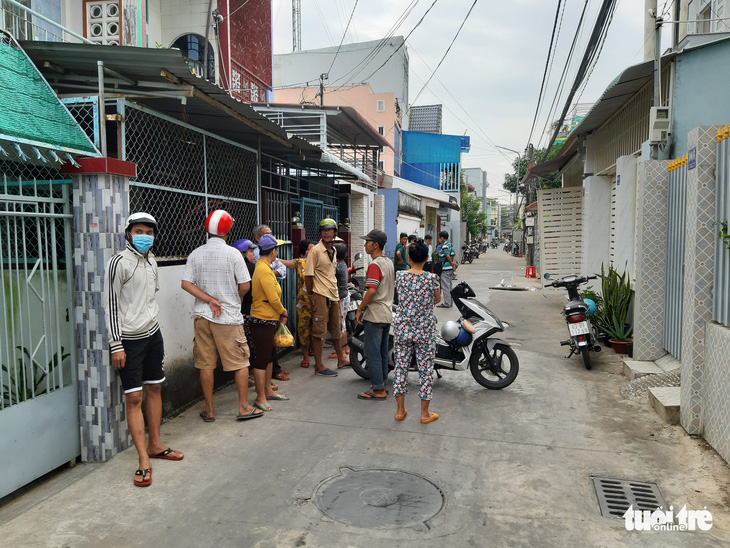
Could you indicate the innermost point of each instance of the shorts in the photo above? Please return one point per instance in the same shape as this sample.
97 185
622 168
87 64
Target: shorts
344 305
325 317
213 340
145 362
263 350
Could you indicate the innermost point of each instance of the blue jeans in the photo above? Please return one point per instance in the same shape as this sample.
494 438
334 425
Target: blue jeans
376 352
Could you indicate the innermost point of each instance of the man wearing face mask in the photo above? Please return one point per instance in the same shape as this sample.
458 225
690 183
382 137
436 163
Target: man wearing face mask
135 341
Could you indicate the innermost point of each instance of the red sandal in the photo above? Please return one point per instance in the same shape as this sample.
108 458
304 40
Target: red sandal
305 363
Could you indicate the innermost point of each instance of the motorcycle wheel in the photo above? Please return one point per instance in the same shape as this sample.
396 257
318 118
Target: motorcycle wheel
586 357
471 259
358 363
494 376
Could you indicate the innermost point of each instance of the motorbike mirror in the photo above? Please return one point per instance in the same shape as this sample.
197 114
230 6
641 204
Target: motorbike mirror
357 257
546 275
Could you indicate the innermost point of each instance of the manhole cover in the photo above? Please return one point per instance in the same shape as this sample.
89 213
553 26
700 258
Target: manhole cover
615 496
378 498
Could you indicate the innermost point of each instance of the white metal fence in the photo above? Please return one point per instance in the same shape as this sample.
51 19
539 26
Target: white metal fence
674 266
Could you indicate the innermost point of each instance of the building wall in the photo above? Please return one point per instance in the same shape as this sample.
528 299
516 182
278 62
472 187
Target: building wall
390 211
717 391
250 48
625 231
362 218
362 99
703 72
306 66
596 225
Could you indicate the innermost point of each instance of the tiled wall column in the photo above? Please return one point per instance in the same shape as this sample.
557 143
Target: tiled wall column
699 263
100 207
651 252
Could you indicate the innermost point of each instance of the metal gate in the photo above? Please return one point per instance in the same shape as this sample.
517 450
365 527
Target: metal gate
674 268
560 220
39 409
312 213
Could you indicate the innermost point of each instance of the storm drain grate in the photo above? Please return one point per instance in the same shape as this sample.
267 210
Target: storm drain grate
615 496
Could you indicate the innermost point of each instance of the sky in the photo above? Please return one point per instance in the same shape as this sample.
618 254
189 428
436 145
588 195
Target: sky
490 80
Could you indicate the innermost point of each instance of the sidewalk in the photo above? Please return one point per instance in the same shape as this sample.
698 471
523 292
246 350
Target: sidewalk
504 468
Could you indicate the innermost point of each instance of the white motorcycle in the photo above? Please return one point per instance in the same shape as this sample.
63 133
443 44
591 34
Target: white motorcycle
460 345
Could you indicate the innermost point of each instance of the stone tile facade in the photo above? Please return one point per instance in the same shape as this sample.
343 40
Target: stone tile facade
100 208
698 274
716 403
651 232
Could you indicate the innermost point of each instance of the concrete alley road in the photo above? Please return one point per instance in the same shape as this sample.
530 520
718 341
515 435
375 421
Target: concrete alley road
499 468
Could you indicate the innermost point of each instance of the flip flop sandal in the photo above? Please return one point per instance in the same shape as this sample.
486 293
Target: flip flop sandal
326 373
405 414
281 377
251 415
206 418
145 482
263 406
432 418
369 396
305 363
278 397
166 454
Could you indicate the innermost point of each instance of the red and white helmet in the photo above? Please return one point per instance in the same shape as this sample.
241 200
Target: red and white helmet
219 223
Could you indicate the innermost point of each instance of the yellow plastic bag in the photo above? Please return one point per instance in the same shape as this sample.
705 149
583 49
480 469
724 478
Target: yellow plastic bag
283 337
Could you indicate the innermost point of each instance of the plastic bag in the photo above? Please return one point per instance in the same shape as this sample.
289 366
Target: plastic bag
283 337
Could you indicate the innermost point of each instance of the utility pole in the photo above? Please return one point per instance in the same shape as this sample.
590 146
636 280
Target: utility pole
322 79
296 24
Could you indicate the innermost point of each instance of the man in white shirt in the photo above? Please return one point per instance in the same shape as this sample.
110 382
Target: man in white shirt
216 275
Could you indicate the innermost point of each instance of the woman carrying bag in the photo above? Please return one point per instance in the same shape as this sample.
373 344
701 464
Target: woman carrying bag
267 313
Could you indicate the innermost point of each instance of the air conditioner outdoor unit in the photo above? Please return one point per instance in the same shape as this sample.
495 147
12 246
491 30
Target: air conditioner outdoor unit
659 125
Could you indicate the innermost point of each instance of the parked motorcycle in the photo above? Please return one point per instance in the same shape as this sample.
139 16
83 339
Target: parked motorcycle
583 336
467 255
468 343
352 270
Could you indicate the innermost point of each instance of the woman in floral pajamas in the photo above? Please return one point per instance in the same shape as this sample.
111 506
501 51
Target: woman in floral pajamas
418 291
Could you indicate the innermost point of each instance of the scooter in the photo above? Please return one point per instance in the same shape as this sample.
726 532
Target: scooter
583 336
468 343
351 271
467 255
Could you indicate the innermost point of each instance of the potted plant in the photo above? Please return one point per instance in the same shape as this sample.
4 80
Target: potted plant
616 289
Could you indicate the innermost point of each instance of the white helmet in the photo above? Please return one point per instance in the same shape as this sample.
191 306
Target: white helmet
450 330
141 217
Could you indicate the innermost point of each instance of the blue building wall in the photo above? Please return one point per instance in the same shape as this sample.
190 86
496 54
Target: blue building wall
391 214
700 92
425 154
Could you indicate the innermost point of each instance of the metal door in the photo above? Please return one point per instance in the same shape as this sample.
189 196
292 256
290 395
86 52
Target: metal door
39 408
674 267
312 213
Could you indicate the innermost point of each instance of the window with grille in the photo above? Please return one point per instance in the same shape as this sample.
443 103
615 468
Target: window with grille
380 105
103 22
381 130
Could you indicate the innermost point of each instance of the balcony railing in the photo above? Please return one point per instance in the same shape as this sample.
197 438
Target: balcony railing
26 24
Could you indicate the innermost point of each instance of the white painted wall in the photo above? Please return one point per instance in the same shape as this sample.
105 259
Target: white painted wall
409 224
596 224
176 311
625 235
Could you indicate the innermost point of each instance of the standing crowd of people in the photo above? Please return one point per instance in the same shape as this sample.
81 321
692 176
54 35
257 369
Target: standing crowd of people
238 309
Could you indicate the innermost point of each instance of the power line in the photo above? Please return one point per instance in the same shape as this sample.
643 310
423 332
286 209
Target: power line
551 53
404 40
447 52
343 37
373 52
595 43
563 80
